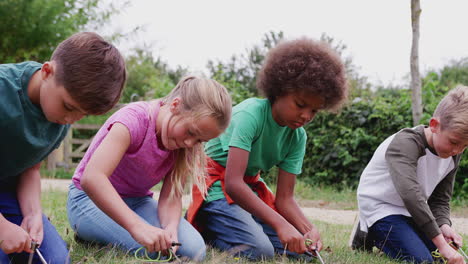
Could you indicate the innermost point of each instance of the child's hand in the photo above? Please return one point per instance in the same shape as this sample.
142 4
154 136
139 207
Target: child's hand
152 238
450 235
34 226
452 256
291 239
456 258
314 236
174 238
13 238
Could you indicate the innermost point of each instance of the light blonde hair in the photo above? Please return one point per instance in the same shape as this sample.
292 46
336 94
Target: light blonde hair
200 98
452 111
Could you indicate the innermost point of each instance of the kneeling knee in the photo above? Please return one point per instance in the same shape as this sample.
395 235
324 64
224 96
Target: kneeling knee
196 253
260 251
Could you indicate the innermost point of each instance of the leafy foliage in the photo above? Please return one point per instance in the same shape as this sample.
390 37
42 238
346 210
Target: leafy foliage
241 71
149 78
339 146
455 73
31 29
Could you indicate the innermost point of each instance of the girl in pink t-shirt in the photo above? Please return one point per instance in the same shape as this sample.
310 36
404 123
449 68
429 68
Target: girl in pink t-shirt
138 146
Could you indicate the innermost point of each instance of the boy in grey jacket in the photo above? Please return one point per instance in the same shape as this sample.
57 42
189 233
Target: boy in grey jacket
404 192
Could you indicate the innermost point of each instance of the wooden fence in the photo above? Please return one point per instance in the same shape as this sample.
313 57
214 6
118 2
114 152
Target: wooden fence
72 149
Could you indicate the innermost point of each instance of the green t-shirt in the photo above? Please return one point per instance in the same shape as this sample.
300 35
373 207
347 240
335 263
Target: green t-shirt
27 136
253 129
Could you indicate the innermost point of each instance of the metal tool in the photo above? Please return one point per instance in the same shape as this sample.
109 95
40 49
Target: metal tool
35 249
457 247
173 244
34 246
40 256
309 242
464 254
317 255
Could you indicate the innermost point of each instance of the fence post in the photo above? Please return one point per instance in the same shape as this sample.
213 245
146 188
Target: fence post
67 148
52 160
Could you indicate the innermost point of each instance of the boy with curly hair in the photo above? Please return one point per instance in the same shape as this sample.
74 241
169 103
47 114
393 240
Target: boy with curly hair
299 78
405 190
38 103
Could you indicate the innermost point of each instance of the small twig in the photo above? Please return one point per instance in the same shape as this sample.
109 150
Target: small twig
386 237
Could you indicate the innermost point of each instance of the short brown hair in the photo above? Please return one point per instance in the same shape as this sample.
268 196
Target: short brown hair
91 70
304 65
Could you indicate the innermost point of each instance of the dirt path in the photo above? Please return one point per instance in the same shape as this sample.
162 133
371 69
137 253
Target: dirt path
341 217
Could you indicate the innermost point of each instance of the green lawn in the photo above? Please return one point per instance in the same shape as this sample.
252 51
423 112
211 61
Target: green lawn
335 238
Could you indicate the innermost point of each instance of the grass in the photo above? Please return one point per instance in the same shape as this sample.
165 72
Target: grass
335 238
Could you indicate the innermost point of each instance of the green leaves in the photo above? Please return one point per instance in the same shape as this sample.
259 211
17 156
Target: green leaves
31 29
149 78
239 74
339 146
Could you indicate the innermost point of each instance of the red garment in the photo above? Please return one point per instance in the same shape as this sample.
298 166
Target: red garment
216 172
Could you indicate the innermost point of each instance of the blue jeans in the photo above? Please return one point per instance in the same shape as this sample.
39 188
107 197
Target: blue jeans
228 227
52 248
400 238
91 224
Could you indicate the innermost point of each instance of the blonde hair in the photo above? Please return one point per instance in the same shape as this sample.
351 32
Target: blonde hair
200 98
452 111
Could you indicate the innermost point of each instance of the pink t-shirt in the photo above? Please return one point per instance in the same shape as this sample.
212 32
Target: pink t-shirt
144 164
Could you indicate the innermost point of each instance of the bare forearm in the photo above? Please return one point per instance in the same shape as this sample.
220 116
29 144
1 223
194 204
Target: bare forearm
291 211
170 212
106 198
29 191
242 195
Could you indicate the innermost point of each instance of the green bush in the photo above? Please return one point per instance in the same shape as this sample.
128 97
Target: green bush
339 146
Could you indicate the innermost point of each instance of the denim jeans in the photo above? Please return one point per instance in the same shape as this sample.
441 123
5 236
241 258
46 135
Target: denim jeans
399 237
228 227
52 248
92 224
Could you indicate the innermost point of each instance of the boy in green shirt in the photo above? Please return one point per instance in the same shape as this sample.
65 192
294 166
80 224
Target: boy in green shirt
240 214
38 103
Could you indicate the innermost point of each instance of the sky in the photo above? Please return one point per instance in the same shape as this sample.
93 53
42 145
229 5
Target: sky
377 33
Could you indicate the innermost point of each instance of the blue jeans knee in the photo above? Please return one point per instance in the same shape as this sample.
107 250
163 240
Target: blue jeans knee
231 228
399 238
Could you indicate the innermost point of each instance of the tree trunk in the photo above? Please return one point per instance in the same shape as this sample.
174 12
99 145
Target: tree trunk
416 98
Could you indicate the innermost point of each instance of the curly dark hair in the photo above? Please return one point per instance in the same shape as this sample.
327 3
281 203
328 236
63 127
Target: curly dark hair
304 65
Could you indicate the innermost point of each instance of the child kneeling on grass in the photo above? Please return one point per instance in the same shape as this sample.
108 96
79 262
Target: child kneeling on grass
299 78
38 102
404 192
110 202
